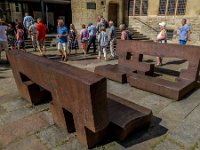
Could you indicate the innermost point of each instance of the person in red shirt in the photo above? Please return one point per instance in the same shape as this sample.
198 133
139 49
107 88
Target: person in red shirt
40 36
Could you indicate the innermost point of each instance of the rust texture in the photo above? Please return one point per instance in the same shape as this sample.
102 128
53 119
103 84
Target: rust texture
79 98
184 83
127 64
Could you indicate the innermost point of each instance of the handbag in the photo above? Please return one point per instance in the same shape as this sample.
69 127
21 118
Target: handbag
83 40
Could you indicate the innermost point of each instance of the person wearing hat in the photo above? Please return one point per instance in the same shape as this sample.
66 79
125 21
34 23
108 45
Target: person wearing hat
161 38
3 37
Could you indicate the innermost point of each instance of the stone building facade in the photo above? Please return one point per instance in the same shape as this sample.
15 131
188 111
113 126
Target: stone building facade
143 15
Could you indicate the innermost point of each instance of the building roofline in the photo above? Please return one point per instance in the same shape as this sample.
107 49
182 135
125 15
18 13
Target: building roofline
46 1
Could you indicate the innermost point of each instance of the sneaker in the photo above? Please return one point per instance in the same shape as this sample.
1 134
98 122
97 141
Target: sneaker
98 57
111 58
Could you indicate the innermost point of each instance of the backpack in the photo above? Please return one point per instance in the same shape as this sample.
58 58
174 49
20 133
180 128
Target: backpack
129 35
103 39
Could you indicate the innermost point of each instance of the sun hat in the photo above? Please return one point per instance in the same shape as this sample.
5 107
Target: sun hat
163 24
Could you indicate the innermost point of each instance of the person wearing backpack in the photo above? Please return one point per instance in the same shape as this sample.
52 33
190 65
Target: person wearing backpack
103 42
125 33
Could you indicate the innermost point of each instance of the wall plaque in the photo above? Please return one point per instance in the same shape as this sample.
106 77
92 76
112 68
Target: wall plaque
91 5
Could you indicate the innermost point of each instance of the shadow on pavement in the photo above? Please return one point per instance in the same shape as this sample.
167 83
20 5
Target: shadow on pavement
154 130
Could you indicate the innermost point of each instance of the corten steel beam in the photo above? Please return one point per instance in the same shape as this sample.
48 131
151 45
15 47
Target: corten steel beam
127 64
184 83
79 98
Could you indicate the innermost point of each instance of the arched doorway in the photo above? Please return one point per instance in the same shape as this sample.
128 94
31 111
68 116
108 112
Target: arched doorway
113 13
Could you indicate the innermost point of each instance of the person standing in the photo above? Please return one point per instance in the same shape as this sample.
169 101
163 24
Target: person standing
112 39
32 31
184 32
122 28
73 39
20 37
161 38
62 39
92 37
3 37
40 36
84 38
27 23
103 43
11 35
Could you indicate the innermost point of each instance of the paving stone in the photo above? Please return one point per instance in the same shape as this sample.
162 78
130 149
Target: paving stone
47 115
15 104
177 111
16 115
9 97
188 132
53 136
2 110
28 143
21 128
167 145
1 122
73 144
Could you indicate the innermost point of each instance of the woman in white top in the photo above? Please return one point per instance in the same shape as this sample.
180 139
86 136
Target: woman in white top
161 38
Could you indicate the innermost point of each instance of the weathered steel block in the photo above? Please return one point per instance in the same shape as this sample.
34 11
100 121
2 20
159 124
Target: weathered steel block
113 72
126 117
184 83
79 98
127 64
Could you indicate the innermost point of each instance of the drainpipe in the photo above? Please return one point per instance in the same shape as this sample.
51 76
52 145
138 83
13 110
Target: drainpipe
43 11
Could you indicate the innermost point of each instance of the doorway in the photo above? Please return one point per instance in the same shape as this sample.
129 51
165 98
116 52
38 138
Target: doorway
113 13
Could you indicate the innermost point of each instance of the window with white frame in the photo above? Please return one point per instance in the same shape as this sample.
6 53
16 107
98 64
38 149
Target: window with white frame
172 7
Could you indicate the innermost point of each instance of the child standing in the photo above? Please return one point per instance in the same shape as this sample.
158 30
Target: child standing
20 37
103 42
84 38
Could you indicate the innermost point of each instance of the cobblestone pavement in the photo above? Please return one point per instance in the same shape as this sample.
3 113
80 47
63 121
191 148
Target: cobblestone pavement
175 125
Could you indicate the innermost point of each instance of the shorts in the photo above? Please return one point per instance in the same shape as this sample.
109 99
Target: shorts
182 42
62 46
33 37
20 44
3 45
40 44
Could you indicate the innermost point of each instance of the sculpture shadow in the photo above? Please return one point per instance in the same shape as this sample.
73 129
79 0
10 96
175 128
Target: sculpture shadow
178 62
167 71
154 130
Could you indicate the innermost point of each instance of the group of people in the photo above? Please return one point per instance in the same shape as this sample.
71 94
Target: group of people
104 32
183 33
14 34
69 39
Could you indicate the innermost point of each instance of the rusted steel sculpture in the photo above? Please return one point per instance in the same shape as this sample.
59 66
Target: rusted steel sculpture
176 90
127 64
79 98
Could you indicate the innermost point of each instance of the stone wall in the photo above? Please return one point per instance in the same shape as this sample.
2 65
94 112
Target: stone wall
148 24
82 15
